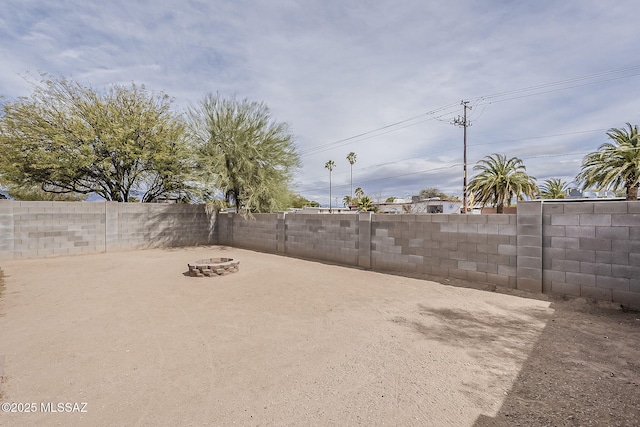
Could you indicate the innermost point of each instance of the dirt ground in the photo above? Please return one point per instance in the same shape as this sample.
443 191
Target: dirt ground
128 339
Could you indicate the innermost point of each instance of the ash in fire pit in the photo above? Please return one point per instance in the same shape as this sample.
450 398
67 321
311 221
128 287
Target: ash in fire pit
213 267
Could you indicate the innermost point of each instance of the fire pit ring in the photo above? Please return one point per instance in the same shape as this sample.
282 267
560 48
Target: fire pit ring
213 267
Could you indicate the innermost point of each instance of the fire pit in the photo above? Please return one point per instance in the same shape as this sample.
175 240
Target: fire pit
213 267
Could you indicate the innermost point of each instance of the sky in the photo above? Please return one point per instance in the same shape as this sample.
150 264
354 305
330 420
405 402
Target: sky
544 80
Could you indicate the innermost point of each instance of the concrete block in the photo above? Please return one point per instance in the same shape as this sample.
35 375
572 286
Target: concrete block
530 207
578 207
594 244
565 289
529 262
565 242
592 292
476 276
610 257
554 231
610 207
468 228
499 219
587 231
614 283
633 207
532 240
498 280
477 257
489 228
601 220
467 265
632 220
529 251
553 208
507 230
477 219
415 259
529 220
581 279
505 270
565 219
613 233
529 285
529 230
448 227
565 265
630 299
553 253
486 267
458 274
579 255
549 276
626 271
631 246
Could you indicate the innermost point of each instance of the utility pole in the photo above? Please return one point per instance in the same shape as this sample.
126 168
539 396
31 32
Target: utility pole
462 121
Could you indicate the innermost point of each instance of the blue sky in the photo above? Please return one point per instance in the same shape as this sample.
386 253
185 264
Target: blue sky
545 79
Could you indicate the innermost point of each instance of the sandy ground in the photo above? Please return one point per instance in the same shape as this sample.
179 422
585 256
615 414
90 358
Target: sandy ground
282 342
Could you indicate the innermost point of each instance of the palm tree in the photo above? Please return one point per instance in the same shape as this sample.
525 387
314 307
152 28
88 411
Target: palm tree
553 188
359 192
346 201
500 180
351 157
615 164
330 165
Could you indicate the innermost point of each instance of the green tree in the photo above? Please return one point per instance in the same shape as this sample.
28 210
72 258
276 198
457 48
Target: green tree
298 201
240 150
499 180
553 188
330 165
351 158
366 204
347 201
616 164
431 193
68 138
37 194
390 199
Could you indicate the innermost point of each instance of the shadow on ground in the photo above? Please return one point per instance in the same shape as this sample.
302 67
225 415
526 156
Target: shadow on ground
583 370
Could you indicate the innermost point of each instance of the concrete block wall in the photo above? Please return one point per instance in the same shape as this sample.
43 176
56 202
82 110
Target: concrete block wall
479 248
259 232
41 229
332 238
146 225
591 249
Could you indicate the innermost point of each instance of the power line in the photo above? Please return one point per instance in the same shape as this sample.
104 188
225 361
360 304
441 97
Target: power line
478 101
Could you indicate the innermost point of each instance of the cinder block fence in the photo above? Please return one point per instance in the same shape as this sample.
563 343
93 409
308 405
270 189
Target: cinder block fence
581 248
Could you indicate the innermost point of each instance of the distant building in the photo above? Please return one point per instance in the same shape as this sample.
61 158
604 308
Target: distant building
426 206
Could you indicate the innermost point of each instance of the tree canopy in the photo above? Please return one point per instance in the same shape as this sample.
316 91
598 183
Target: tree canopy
616 164
499 180
241 151
69 138
553 188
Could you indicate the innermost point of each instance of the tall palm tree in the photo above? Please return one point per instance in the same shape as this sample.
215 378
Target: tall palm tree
500 180
330 165
553 188
351 157
616 164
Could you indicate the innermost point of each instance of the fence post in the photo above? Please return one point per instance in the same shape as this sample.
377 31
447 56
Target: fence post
364 239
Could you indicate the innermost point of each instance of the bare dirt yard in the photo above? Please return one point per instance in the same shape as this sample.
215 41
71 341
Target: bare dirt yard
129 339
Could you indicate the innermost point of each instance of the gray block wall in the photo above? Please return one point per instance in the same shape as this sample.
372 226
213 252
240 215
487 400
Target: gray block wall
42 229
591 249
259 232
332 238
478 248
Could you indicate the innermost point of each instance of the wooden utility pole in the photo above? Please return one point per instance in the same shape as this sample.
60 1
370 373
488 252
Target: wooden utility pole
462 121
